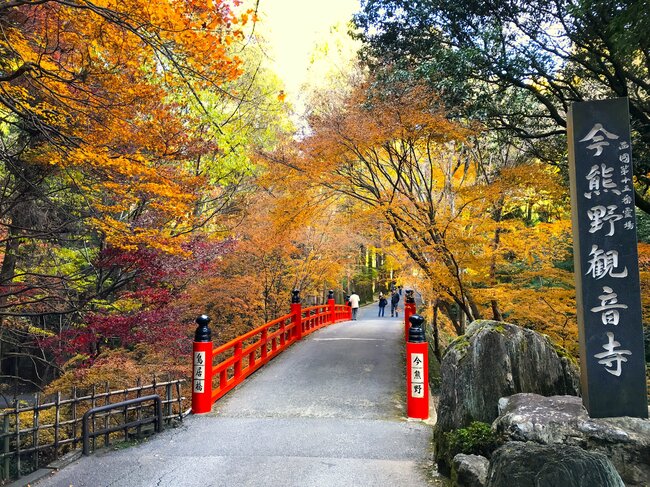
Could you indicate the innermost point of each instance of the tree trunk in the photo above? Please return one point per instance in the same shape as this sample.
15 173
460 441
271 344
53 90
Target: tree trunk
436 336
496 214
496 313
18 211
8 356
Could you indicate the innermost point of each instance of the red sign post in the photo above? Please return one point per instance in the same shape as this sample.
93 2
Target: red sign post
296 311
332 305
202 367
417 371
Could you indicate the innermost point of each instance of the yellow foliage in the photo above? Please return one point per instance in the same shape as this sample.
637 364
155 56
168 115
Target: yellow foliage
120 368
482 233
99 83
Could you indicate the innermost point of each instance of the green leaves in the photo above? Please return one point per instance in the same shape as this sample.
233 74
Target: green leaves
518 66
477 439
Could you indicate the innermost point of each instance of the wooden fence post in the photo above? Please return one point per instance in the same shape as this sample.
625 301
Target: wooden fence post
5 447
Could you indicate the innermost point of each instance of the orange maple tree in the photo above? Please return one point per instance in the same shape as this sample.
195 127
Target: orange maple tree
99 102
485 233
91 91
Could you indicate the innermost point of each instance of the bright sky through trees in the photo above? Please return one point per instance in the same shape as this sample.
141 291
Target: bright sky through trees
293 27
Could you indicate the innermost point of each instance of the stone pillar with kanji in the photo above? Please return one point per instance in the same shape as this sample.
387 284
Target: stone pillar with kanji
608 297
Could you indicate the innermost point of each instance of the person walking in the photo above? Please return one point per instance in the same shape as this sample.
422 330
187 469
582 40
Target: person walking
354 303
382 305
394 299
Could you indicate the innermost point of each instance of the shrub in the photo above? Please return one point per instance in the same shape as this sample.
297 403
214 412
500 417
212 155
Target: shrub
477 439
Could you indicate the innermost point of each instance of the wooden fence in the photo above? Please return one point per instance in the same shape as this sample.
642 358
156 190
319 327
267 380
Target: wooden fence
35 434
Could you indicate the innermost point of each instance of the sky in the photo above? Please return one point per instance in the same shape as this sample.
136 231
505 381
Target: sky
293 27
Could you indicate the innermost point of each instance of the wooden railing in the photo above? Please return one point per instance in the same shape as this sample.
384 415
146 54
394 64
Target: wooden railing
34 433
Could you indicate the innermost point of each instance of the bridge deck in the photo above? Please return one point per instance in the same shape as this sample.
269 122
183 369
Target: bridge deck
327 412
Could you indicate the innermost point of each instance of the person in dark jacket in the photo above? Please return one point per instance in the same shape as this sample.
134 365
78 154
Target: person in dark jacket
382 304
394 299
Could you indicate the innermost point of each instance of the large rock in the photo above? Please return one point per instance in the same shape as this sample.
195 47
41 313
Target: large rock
469 470
533 465
563 420
493 360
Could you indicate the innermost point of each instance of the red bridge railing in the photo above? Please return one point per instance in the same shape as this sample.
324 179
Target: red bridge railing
218 370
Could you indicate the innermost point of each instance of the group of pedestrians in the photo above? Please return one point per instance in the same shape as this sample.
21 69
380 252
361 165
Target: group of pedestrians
394 301
354 300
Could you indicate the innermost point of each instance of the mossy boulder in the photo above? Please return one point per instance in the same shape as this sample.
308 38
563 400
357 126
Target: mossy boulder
493 360
560 420
533 465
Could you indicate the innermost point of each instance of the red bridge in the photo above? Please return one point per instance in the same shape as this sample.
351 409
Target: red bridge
329 411
239 358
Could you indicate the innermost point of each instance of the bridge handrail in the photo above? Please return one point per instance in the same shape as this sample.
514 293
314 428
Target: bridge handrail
341 312
220 349
245 359
315 318
250 351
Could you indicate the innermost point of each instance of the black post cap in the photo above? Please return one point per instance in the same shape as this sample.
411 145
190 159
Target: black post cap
409 296
295 296
416 331
203 332
330 294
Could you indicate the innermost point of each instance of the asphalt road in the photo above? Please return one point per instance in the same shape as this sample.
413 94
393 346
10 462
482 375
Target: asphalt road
329 411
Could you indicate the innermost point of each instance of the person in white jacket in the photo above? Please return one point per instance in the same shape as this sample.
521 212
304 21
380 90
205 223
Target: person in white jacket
354 304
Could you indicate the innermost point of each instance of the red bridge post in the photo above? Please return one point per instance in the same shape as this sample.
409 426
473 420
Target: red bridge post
417 371
296 311
409 310
347 303
332 305
202 367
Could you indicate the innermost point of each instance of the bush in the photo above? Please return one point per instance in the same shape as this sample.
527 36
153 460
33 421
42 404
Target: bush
477 439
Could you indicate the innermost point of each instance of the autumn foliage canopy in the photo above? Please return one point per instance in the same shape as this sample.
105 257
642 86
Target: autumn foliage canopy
151 172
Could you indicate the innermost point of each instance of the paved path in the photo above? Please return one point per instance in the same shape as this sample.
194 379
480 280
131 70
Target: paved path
329 411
